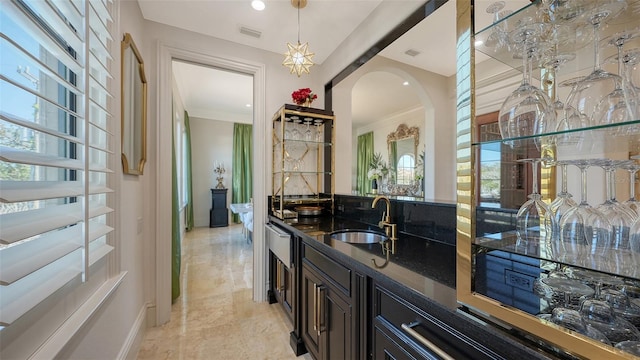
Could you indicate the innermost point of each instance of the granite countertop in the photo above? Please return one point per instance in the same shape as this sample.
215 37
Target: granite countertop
428 267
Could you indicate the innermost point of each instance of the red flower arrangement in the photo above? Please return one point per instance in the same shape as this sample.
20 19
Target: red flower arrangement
302 96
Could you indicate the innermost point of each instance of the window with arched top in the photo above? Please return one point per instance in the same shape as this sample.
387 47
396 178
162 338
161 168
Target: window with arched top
406 170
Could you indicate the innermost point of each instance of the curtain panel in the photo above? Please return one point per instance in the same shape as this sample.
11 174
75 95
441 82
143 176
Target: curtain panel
189 221
242 167
365 154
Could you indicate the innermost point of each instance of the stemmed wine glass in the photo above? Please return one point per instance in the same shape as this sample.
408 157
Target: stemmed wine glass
498 37
620 105
584 231
308 136
295 132
620 217
590 91
563 201
534 220
528 110
317 123
570 119
632 203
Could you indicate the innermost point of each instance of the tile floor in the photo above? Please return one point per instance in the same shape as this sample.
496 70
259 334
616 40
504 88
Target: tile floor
215 316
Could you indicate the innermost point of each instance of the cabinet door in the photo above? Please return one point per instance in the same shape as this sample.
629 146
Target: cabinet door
310 285
336 325
326 318
286 289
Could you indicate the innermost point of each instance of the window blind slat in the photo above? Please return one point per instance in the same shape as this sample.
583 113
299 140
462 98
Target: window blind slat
100 148
98 251
97 231
23 259
25 224
26 23
36 94
102 11
100 168
97 65
41 66
17 191
58 22
38 127
19 297
32 158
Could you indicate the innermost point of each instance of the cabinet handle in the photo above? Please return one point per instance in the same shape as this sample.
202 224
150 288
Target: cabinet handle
278 275
421 339
320 311
315 307
280 279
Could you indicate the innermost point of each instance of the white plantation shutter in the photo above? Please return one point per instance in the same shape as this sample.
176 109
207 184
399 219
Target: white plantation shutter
56 149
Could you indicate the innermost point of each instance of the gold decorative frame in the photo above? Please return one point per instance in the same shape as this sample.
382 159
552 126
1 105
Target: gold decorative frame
404 132
133 87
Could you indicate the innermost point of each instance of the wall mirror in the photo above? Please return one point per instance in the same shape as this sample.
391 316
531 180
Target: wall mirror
383 92
134 109
402 146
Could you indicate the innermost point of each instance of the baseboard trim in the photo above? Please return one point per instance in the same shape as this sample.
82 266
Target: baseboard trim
129 350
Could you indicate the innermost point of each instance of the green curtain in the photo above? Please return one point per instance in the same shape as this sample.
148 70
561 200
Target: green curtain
393 160
175 222
242 167
365 154
189 180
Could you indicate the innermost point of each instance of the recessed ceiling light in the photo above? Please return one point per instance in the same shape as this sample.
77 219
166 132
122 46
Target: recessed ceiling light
406 83
248 105
478 42
257 5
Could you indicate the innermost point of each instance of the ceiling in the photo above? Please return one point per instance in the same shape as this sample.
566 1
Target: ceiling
228 93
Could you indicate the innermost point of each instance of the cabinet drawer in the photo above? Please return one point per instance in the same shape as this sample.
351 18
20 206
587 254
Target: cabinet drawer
337 273
414 326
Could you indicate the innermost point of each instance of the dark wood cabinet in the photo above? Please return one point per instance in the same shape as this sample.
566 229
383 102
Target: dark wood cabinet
385 347
219 214
326 318
282 285
403 330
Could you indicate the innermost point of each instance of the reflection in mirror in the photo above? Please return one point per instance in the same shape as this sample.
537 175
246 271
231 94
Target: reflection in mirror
134 109
402 145
413 90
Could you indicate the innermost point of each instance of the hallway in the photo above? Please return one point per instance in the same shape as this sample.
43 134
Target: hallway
215 317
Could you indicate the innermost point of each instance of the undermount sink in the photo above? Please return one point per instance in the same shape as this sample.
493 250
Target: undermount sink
359 236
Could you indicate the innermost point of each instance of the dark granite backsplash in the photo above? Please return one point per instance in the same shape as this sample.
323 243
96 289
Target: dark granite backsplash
433 220
429 220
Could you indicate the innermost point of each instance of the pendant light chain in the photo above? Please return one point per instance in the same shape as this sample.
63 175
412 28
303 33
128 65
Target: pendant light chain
298 21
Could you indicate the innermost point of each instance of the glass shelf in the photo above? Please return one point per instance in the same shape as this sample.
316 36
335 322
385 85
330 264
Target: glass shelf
579 42
617 263
292 172
303 142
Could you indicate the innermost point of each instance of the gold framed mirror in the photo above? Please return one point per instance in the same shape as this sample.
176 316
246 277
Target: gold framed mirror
402 145
134 108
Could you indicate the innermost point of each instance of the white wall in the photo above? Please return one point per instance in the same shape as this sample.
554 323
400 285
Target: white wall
211 141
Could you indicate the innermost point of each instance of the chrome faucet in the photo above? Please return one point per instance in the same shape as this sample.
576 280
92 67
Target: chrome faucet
390 229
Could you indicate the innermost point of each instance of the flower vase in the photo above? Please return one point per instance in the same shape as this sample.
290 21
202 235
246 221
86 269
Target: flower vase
307 103
374 186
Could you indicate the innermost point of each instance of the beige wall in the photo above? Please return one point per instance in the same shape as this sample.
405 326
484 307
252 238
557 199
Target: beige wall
438 99
211 141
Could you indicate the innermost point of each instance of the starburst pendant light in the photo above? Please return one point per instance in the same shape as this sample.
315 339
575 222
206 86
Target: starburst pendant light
298 58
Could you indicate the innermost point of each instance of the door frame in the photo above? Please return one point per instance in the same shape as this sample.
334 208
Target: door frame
166 54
